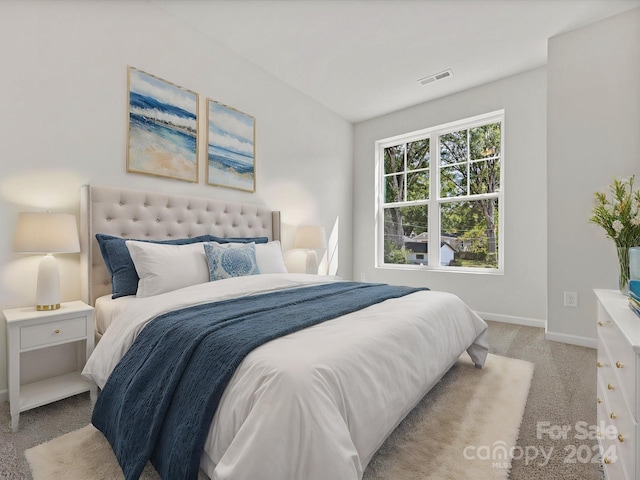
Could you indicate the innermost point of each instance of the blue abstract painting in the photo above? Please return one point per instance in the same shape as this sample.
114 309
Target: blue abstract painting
230 147
163 128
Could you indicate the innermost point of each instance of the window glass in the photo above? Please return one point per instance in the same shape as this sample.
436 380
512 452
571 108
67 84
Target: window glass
462 164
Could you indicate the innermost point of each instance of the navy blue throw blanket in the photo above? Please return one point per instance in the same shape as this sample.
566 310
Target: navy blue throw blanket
160 399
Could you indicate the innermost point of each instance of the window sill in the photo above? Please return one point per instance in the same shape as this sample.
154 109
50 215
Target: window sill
424 268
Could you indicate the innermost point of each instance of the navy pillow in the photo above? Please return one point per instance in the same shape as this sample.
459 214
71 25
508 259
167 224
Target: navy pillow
124 278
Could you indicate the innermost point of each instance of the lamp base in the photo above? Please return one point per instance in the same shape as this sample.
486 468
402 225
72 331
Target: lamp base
44 308
312 262
48 288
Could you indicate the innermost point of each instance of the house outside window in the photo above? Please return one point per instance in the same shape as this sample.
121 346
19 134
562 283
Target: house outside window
442 186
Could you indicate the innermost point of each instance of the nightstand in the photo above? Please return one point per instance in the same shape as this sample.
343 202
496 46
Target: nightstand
28 330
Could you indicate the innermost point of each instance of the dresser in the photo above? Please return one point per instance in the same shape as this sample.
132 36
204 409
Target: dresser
29 330
618 402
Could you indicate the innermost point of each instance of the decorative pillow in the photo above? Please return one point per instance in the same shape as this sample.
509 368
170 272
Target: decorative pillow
231 260
164 268
124 278
269 258
213 238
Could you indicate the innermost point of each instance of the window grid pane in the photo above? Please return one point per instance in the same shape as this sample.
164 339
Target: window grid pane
406 235
475 240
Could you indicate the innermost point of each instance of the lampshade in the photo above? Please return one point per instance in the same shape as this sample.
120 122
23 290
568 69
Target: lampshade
47 233
39 232
309 236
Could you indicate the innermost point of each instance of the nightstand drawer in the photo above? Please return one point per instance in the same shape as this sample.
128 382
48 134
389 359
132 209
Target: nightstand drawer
53 332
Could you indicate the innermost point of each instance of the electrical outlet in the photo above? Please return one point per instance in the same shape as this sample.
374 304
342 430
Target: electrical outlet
363 277
570 299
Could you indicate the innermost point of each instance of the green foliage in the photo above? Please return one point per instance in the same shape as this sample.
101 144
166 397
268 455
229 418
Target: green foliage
476 239
619 215
395 255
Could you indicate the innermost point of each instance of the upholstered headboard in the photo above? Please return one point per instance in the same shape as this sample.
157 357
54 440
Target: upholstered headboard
158 216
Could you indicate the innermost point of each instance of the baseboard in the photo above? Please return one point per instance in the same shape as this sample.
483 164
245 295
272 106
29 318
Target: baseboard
534 322
4 395
525 321
571 339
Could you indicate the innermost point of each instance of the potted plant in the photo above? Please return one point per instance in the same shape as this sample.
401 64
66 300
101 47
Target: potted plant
619 216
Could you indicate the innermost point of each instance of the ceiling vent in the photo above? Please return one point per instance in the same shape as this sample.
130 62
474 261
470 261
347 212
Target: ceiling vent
435 77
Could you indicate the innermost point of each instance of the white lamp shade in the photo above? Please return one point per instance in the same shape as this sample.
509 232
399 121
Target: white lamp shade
46 233
309 236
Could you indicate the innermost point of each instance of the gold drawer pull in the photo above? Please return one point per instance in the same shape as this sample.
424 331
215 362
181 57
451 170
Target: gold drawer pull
612 416
600 324
620 438
609 386
599 434
599 365
599 400
606 460
619 364
57 330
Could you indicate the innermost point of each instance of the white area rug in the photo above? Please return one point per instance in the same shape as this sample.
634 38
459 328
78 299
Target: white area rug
463 429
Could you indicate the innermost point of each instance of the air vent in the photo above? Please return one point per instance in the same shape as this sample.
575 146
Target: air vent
434 77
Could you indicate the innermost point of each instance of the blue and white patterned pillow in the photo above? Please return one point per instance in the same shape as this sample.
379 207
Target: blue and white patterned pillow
231 260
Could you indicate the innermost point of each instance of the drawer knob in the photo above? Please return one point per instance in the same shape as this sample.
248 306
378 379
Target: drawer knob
607 460
57 330
612 416
599 364
619 364
600 324
620 438
599 400
609 386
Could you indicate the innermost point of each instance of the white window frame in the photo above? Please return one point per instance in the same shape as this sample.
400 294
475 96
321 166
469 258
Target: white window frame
435 200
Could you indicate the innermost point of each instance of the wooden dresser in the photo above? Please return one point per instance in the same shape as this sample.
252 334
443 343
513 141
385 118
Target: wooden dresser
618 383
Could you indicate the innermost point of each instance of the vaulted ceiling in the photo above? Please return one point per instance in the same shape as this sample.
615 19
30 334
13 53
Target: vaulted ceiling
363 58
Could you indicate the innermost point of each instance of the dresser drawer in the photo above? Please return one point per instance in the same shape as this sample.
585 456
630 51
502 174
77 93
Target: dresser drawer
53 332
615 353
625 445
618 459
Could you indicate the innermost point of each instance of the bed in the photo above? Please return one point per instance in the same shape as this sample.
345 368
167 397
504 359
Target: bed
313 404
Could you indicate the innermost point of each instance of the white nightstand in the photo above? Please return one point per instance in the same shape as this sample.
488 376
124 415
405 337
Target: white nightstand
28 330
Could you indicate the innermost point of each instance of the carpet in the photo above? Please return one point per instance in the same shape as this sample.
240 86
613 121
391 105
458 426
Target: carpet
465 428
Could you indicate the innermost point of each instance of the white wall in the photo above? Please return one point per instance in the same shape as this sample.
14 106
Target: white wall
63 97
593 136
520 294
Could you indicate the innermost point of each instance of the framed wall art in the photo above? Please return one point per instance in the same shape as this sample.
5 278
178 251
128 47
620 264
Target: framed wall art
231 146
162 128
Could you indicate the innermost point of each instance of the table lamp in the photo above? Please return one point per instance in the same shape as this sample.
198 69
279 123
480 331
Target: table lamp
47 233
312 238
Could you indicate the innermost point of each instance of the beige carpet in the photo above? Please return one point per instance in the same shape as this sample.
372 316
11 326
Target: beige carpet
472 418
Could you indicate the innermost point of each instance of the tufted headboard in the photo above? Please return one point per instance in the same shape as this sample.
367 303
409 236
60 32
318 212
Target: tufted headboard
158 216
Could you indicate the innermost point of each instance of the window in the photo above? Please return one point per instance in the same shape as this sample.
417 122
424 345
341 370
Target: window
442 186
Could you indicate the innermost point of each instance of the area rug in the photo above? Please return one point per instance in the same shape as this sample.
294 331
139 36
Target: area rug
465 428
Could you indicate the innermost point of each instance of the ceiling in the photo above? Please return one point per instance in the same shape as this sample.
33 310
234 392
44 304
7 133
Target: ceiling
363 58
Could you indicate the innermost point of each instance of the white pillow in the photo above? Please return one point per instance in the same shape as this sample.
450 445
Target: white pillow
165 267
269 257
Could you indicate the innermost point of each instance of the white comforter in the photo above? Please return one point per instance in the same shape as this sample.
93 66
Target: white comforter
316 404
